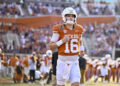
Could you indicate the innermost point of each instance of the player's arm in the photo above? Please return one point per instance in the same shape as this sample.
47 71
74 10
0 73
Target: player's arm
54 39
55 42
81 48
53 45
81 40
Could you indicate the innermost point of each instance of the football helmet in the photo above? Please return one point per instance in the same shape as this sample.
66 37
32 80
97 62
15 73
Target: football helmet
49 53
69 10
107 56
33 53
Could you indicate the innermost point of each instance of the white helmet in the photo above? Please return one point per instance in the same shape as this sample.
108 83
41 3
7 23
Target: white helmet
0 50
69 10
49 53
107 56
33 53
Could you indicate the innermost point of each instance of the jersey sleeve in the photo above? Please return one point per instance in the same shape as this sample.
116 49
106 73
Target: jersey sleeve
55 35
56 29
81 29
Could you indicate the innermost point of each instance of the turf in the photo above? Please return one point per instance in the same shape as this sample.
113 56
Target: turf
9 82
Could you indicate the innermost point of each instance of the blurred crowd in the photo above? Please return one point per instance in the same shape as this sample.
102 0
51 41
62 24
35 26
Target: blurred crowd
100 10
10 10
29 39
103 38
38 9
16 9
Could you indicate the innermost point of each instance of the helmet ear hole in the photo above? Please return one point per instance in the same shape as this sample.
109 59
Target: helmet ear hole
65 15
74 16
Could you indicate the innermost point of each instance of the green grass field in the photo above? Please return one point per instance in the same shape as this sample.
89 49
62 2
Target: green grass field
8 82
36 84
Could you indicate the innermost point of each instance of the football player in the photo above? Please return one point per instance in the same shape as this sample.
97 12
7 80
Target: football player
67 38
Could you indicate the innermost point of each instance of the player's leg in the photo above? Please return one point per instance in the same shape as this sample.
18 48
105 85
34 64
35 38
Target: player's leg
82 77
12 71
75 74
118 75
113 75
59 73
109 75
54 80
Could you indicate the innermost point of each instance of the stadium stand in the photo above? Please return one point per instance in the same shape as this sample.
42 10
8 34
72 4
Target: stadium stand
26 30
49 11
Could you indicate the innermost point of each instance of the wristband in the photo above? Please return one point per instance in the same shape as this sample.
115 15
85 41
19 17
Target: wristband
59 43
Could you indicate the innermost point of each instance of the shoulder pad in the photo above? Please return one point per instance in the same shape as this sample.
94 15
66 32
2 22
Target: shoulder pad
61 27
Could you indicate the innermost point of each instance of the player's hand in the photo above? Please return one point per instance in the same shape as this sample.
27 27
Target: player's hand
66 39
81 53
